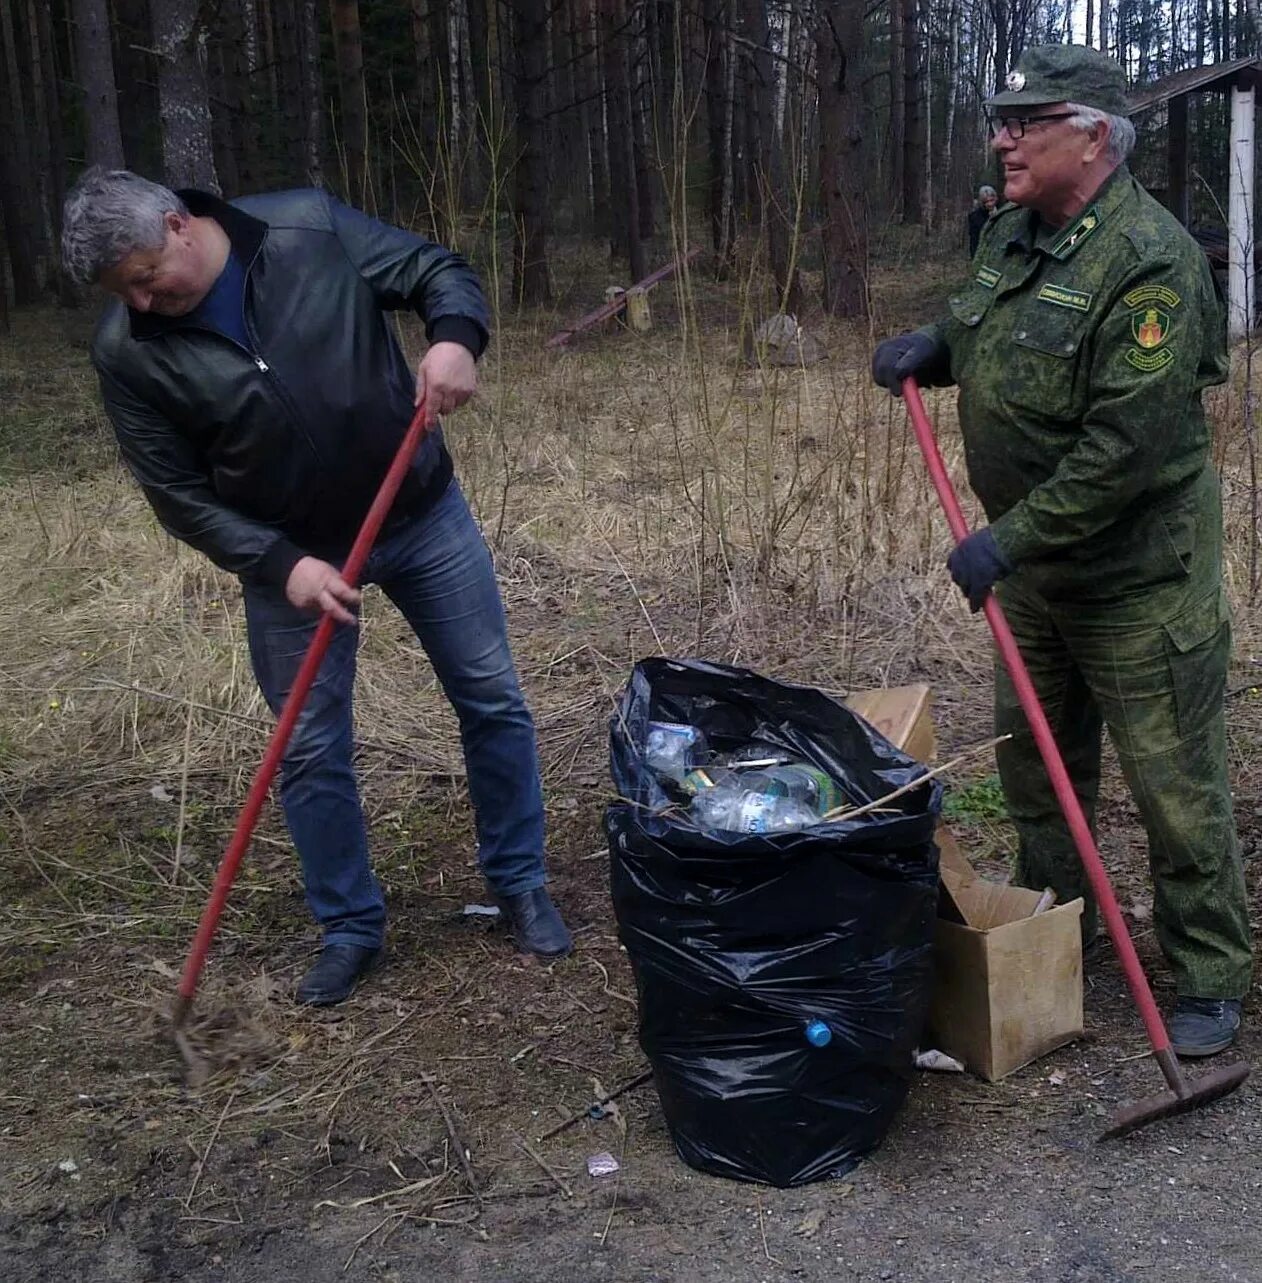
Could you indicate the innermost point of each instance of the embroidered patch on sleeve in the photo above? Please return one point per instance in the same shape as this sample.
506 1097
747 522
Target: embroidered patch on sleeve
1078 300
988 277
1149 362
1143 295
1150 327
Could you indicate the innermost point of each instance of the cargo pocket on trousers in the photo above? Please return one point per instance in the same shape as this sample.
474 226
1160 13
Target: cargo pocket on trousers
1197 645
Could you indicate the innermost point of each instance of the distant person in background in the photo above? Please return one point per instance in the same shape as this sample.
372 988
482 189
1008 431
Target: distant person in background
987 203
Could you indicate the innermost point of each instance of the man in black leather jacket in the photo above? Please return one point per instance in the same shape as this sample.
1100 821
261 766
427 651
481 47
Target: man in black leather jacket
258 392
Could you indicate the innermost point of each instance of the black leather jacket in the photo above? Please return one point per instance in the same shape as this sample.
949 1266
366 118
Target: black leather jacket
257 457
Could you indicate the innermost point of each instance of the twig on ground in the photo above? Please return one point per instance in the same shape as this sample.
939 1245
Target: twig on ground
762 1229
613 993
462 1153
525 1146
201 1162
630 1085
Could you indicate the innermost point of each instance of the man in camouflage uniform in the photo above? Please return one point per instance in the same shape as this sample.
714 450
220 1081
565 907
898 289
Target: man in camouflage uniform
1080 347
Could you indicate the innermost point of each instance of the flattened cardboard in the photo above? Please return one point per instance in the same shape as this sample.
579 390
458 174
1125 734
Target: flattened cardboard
901 714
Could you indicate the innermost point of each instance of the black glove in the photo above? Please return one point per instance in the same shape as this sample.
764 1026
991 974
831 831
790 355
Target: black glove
896 358
977 566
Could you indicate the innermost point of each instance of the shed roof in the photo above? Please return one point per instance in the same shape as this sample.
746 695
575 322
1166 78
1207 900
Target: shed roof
1247 72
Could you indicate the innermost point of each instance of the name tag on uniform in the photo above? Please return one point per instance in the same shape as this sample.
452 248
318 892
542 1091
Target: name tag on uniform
988 277
1058 295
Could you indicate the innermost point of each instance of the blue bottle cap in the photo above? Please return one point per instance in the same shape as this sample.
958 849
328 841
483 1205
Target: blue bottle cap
818 1033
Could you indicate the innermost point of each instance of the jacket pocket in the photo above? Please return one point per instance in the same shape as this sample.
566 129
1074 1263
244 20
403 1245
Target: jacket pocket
1042 374
1198 642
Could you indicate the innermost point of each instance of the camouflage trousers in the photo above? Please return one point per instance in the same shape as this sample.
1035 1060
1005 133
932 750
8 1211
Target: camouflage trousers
1153 674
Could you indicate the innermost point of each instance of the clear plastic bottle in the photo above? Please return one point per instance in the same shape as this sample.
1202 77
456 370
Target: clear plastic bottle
746 810
799 780
672 749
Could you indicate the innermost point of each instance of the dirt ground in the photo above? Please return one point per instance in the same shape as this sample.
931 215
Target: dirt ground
412 1134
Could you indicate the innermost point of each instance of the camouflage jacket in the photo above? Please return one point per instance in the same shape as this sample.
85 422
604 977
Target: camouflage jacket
1080 355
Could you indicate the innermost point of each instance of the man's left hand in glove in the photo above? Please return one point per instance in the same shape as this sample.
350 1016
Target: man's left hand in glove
977 566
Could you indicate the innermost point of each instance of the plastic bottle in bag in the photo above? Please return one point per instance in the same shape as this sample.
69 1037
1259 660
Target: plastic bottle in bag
798 780
672 749
747 810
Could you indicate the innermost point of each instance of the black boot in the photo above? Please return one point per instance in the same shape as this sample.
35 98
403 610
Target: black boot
536 925
337 973
1204 1026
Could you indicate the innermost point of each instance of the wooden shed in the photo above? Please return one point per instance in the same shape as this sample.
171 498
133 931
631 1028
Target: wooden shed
1239 78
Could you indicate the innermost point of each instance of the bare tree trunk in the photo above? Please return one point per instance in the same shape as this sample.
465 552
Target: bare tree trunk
224 113
39 148
297 50
240 53
774 202
312 91
913 116
718 134
20 196
96 75
898 109
838 40
42 20
530 222
180 43
348 50
623 193
426 97
641 108
587 51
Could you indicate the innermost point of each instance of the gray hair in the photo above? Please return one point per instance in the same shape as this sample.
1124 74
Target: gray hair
986 190
1121 131
109 214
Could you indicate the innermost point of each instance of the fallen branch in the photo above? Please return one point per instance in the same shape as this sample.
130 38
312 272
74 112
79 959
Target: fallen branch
562 337
454 1136
598 1104
526 1148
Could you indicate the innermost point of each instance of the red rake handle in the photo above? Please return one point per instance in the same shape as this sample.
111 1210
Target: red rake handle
1065 795
276 746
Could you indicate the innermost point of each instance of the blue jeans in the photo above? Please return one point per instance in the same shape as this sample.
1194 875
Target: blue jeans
438 572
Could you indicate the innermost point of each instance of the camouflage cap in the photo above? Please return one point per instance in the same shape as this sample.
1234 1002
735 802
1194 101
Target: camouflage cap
1048 74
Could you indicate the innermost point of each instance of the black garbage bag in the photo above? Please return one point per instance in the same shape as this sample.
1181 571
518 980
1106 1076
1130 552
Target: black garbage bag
739 943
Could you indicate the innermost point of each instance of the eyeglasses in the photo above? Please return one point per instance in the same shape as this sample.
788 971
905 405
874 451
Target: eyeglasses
1017 125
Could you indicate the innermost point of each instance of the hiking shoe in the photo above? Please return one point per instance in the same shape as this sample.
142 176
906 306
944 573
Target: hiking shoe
535 924
1204 1026
337 973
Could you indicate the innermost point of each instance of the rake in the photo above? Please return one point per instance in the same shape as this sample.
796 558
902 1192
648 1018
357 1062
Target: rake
195 962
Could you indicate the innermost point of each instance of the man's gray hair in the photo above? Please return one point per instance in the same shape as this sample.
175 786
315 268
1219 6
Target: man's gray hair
986 190
109 214
1121 131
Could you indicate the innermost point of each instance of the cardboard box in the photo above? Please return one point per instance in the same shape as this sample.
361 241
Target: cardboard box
901 714
1008 985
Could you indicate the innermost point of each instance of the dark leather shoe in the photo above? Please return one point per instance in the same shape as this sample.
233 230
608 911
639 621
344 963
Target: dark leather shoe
337 973
535 924
1204 1026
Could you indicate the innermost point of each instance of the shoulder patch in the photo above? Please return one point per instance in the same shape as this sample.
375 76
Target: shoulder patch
988 277
1144 294
1061 296
1149 362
